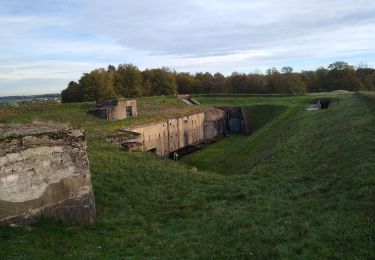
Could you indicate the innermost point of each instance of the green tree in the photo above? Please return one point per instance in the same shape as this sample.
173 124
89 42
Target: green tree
111 68
273 79
238 83
73 93
291 82
257 83
295 84
205 82
321 83
339 66
186 83
343 76
159 82
366 76
287 70
128 81
97 85
369 82
218 85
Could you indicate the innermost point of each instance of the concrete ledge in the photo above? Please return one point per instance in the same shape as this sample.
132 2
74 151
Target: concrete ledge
44 171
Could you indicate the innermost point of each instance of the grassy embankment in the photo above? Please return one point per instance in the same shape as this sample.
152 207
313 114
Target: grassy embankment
314 199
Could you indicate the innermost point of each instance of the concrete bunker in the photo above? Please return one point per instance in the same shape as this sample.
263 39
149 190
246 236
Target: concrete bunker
44 171
183 134
319 104
169 135
112 110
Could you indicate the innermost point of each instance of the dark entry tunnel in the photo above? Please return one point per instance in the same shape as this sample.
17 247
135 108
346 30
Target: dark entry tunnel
183 151
324 103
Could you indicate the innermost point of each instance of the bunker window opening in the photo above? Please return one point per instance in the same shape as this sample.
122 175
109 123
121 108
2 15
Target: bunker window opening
129 111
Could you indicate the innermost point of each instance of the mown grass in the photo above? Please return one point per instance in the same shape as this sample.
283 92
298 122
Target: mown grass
314 199
260 115
233 153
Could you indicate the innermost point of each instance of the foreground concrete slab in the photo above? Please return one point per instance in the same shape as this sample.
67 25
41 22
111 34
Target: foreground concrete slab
44 171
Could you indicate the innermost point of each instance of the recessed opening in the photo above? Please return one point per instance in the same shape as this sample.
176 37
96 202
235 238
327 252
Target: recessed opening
153 150
324 103
183 152
129 111
321 103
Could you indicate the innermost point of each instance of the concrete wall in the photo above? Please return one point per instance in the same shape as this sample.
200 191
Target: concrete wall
171 134
44 170
113 110
185 130
121 108
215 124
174 133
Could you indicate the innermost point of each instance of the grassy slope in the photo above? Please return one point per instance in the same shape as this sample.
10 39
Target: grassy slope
269 119
314 199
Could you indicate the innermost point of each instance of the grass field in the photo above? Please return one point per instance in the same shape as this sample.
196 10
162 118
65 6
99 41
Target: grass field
313 199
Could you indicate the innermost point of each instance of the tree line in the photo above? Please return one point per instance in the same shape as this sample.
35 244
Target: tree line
128 80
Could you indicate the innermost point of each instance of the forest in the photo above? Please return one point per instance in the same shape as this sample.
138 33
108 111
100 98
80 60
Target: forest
128 80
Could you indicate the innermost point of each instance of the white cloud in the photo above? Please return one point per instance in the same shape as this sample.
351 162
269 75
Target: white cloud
201 28
57 41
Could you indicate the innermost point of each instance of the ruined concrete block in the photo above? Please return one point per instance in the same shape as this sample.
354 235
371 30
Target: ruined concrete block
44 171
113 110
175 133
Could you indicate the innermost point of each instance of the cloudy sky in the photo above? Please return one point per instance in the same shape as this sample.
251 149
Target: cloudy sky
47 43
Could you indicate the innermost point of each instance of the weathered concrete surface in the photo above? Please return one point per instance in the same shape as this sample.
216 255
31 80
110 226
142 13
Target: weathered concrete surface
113 110
169 135
187 99
215 124
175 133
44 170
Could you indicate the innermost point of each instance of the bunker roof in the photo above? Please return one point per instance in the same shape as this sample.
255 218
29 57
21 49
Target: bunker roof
7 131
203 110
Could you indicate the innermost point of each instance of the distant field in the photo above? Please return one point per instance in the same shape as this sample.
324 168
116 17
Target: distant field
314 198
15 99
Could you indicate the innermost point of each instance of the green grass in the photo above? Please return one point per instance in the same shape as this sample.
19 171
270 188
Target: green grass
232 154
260 115
270 123
314 199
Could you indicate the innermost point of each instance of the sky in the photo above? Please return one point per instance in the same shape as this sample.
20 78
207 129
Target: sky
45 44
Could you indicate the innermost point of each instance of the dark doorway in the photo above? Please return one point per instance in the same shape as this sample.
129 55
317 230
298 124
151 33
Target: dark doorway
324 103
186 138
235 124
153 150
129 111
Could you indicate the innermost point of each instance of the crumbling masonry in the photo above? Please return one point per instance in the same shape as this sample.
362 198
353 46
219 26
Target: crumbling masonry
112 110
44 171
177 132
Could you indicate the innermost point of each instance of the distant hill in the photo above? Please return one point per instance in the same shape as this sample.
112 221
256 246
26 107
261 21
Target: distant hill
11 99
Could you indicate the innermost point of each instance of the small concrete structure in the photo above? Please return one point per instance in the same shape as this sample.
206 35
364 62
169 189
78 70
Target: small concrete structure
188 99
44 171
113 110
319 104
238 119
175 133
